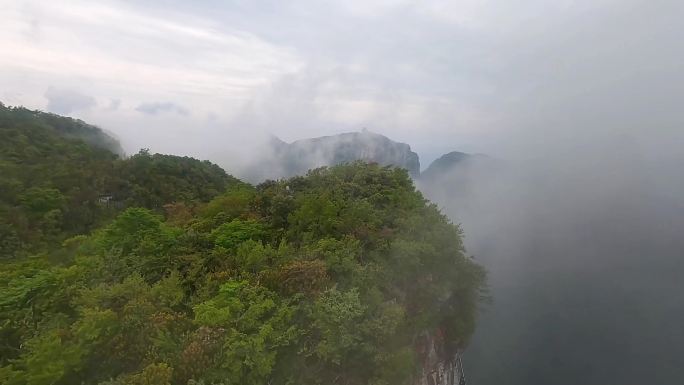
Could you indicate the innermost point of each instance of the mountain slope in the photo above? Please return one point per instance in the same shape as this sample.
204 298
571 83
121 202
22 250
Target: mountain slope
68 128
60 177
345 275
444 164
335 277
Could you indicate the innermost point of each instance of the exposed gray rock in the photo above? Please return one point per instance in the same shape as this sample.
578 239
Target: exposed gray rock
441 365
296 158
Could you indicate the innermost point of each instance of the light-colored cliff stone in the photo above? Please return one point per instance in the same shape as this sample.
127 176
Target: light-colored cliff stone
440 365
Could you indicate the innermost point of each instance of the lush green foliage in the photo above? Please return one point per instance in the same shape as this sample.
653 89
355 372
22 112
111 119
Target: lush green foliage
60 177
159 269
322 279
155 180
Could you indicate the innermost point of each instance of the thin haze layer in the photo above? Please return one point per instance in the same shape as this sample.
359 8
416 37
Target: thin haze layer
579 99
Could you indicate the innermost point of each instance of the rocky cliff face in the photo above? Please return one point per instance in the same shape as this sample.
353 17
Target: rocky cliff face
296 158
279 159
441 365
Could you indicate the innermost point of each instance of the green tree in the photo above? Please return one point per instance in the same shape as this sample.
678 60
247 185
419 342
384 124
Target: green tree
326 278
257 323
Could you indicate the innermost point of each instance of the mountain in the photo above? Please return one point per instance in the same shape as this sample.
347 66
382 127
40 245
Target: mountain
64 127
60 177
452 161
161 269
444 164
296 158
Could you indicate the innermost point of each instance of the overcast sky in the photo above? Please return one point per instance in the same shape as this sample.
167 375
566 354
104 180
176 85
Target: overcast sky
205 77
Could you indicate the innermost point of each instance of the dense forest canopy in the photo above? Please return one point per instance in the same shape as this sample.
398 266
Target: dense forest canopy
159 269
59 177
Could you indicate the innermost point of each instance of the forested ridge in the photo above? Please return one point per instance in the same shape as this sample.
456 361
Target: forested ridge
61 177
177 273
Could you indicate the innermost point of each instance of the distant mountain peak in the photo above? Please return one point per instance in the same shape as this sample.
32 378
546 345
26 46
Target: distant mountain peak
297 157
449 161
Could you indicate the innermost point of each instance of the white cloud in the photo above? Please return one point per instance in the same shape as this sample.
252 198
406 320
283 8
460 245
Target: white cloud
65 101
442 75
154 108
124 53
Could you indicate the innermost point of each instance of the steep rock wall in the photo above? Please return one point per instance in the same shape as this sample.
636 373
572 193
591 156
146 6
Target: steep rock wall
440 364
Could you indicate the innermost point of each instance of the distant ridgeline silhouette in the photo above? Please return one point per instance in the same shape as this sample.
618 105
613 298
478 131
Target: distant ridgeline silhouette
296 158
